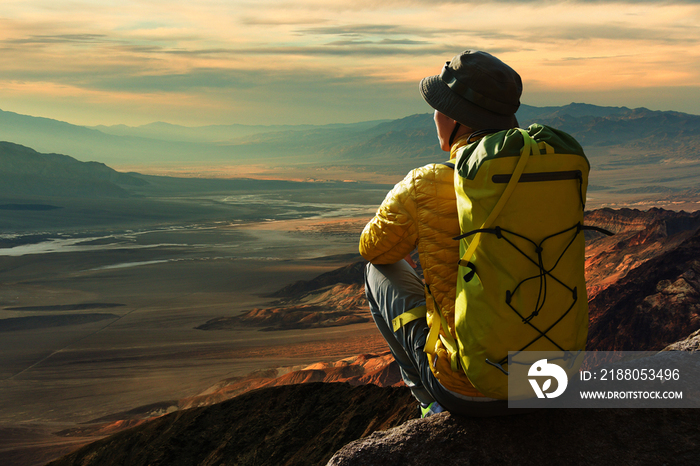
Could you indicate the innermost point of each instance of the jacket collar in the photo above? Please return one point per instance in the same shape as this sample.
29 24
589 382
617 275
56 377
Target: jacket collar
460 142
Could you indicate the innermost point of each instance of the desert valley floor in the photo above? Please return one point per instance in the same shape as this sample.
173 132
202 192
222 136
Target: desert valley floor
99 309
99 321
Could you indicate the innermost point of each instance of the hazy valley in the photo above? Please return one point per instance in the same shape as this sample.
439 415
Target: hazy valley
125 296
638 157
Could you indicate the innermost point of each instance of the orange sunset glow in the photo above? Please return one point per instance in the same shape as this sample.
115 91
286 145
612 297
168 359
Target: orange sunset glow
279 62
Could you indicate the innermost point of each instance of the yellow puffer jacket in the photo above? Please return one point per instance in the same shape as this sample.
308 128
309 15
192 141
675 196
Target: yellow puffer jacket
421 211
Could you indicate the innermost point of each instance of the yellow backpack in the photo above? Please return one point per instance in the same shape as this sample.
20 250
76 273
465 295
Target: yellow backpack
521 285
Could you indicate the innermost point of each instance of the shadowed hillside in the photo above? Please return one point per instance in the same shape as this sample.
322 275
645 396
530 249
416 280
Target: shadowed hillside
25 172
293 425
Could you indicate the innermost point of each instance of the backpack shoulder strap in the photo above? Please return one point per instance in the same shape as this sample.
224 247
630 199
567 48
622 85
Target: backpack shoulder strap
529 147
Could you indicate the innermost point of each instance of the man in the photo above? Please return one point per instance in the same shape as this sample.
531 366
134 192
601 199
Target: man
475 94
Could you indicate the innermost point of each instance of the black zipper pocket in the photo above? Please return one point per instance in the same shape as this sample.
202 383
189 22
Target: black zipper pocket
542 176
547 176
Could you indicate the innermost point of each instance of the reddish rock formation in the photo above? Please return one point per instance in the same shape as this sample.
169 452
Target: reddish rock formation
364 369
654 304
327 306
639 236
377 369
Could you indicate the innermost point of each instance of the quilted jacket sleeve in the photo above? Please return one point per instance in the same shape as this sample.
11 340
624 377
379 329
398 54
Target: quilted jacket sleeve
393 232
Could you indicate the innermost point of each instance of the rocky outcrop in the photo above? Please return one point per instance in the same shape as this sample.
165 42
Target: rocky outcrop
332 299
350 274
655 304
639 237
691 343
549 436
376 369
294 425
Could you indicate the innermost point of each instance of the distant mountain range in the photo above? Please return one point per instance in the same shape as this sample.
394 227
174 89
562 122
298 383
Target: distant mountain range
221 134
163 142
634 153
412 137
613 138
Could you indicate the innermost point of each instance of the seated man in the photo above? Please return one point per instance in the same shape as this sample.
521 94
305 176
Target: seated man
474 95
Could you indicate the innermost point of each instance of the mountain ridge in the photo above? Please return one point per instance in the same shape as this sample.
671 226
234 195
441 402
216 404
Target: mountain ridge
212 133
380 140
24 171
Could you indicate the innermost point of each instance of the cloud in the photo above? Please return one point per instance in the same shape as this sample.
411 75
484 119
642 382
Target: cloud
616 32
357 30
291 52
60 39
287 21
352 42
354 49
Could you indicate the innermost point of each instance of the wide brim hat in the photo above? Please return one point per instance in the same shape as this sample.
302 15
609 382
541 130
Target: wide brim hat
477 90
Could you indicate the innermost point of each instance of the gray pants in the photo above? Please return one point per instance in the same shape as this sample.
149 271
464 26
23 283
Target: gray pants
392 290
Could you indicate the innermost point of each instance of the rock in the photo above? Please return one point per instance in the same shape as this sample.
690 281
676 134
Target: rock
329 306
654 305
550 436
692 343
350 274
639 237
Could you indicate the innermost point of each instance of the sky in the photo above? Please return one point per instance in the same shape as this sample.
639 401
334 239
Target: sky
201 62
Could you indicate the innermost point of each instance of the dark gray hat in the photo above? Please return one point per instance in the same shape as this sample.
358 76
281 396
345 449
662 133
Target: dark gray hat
477 90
